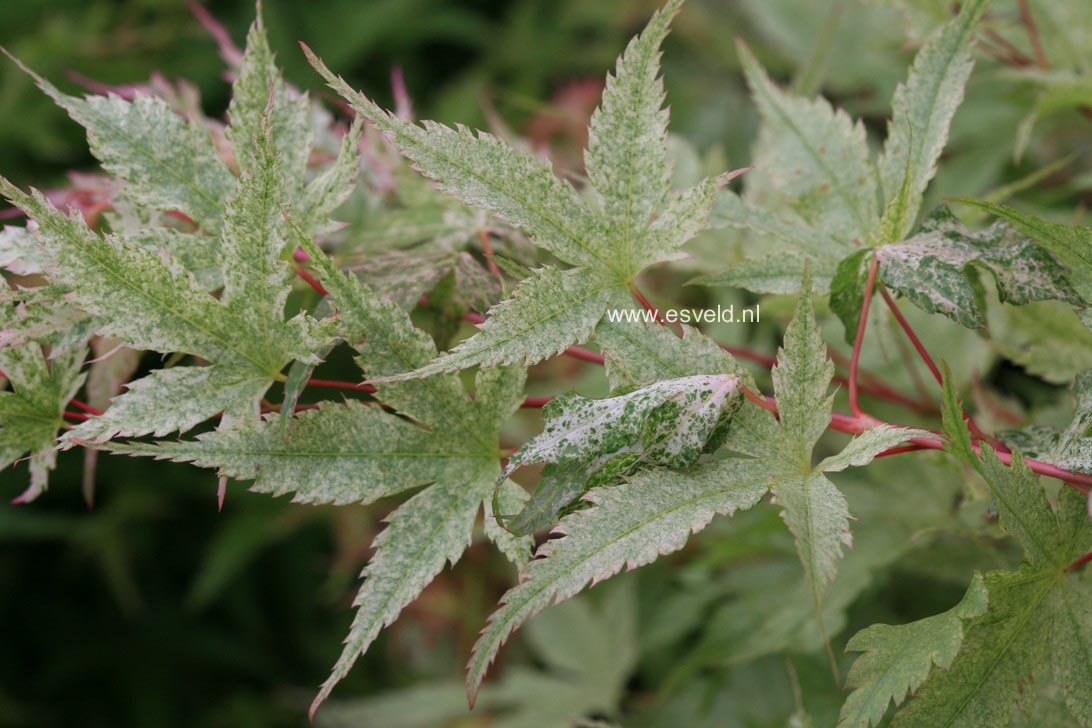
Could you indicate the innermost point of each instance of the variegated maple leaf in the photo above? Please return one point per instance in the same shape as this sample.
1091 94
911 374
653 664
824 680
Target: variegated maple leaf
357 452
589 443
819 196
1008 628
655 510
32 407
140 283
629 222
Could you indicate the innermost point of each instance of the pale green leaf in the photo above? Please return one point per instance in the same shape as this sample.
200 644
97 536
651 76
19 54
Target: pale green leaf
777 273
256 279
260 98
934 268
634 226
176 399
801 381
340 453
143 299
866 446
1071 646
628 525
168 163
779 227
426 532
627 161
813 160
547 313
1005 649
898 659
817 515
508 500
923 107
1047 338
485 172
31 409
685 215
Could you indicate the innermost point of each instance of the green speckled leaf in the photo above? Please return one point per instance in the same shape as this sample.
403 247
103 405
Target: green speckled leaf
812 160
935 269
898 658
634 225
167 162
628 525
31 408
923 107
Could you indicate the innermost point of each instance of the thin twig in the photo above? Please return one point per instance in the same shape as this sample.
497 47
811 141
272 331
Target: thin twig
311 280
858 341
334 384
924 353
487 250
1080 562
85 407
535 402
647 304
1033 33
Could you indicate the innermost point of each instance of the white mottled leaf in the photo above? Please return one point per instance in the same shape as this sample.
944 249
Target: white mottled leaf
175 399
168 162
548 312
813 160
627 526
933 268
626 160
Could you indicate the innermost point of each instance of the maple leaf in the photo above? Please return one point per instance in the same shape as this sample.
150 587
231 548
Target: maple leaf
653 511
998 637
1039 607
898 659
355 452
815 189
139 284
935 269
592 443
609 243
1070 244
32 409
151 302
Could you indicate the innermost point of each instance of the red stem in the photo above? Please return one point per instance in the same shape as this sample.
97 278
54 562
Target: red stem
648 305
311 281
922 352
862 324
535 402
85 407
1080 562
1033 33
856 425
334 384
79 416
487 249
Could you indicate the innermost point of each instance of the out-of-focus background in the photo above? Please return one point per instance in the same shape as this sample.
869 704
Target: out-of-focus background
153 609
